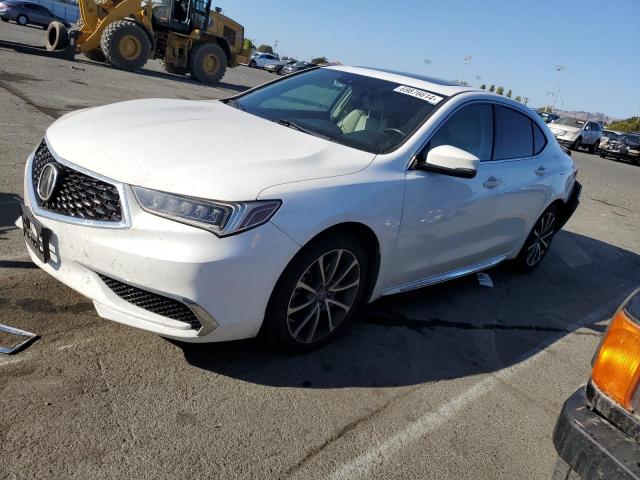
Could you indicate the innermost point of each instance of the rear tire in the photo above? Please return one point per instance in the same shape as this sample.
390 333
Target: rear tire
307 308
252 64
537 245
22 20
57 37
4 19
125 45
594 148
96 55
171 68
207 63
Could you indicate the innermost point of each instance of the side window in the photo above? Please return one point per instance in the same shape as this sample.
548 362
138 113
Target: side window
539 139
470 129
514 134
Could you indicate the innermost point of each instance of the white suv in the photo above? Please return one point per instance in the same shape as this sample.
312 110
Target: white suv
354 183
577 133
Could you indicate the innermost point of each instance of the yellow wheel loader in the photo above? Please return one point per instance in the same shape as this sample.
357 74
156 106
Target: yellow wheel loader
185 35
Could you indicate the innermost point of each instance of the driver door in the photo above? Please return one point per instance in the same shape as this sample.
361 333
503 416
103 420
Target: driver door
450 223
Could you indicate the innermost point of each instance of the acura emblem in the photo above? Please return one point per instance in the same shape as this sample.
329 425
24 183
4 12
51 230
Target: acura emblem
48 180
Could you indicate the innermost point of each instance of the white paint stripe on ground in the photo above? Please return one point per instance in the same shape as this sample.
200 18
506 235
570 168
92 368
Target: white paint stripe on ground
22 256
362 465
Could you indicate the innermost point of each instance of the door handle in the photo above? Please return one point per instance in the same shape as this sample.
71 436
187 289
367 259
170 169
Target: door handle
492 182
540 171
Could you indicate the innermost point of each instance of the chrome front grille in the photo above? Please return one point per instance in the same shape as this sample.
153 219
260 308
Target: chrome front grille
77 194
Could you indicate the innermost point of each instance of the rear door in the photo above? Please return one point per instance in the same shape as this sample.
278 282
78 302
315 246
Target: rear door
526 172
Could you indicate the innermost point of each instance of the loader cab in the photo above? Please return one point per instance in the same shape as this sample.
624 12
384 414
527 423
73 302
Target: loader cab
182 16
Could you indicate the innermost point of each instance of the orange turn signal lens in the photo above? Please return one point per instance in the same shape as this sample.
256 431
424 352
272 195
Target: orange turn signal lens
616 369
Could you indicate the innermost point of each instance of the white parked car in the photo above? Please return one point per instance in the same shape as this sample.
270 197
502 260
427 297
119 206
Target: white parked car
354 183
575 133
262 60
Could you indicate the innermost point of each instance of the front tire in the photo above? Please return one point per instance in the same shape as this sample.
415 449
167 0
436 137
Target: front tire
576 144
125 45
22 20
538 242
594 148
317 293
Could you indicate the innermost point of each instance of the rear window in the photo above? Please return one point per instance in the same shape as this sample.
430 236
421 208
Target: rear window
513 134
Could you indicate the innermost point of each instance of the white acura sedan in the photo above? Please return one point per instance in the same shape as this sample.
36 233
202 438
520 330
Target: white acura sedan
282 209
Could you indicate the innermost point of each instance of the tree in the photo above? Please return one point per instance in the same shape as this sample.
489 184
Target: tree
492 88
509 93
319 60
500 90
629 125
483 87
265 49
519 99
248 44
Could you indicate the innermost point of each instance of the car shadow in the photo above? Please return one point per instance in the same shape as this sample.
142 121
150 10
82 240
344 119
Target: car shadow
450 330
9 212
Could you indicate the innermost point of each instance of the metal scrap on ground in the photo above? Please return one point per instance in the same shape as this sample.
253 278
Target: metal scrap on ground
28 338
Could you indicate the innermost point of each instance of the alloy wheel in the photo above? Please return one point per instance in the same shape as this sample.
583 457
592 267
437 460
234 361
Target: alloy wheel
323 296
541 238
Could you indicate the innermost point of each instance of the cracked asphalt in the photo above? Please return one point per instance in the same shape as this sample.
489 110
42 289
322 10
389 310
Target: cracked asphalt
452 381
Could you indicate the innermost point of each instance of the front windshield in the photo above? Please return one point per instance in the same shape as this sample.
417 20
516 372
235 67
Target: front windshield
610 135
569 122
362 112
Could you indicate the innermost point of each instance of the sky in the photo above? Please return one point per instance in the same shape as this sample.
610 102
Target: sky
513 43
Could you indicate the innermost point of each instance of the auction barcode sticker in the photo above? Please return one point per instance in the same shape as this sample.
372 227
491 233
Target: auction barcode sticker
421 94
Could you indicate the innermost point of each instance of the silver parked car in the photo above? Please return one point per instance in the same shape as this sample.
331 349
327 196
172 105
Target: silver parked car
28 13
576 133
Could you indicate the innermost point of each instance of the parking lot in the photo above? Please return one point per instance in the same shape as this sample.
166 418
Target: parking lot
453 381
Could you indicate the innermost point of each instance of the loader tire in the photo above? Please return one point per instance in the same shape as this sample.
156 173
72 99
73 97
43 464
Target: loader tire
96 55
57 37
125 45
171 68
207 63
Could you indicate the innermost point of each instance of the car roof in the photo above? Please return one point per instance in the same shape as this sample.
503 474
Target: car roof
431 84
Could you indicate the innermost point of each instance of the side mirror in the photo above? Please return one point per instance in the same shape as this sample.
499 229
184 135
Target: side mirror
450 160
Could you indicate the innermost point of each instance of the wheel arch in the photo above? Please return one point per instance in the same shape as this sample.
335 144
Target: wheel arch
370 242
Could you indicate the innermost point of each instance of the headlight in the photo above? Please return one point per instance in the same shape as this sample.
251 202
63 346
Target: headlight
221 218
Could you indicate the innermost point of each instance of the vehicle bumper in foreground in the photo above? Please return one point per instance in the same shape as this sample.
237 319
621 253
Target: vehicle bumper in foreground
149 273
591 445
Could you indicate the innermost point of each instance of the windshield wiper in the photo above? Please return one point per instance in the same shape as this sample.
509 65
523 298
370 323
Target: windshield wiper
294 125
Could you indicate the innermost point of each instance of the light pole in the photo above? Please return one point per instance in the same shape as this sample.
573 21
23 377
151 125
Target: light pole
427 62
556 89
466 61
275 46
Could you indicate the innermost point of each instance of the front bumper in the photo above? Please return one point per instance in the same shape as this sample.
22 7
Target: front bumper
591 445
229 279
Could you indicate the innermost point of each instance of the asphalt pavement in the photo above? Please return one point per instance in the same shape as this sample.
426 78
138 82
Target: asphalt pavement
453 381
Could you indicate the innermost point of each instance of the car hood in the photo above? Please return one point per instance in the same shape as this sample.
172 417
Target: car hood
200 148
566 128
